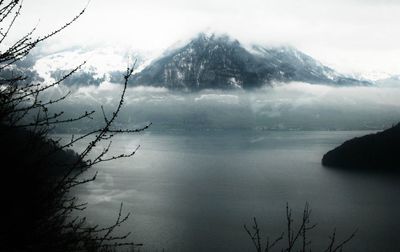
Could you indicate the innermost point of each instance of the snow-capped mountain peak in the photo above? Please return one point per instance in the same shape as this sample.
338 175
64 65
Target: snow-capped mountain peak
218 61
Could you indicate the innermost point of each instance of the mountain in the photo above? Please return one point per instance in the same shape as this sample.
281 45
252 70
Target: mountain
102 64
375 151
211 61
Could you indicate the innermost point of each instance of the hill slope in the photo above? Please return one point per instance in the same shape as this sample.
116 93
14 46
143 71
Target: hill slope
375 151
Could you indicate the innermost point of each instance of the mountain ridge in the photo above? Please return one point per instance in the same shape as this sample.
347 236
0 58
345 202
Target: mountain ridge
218 61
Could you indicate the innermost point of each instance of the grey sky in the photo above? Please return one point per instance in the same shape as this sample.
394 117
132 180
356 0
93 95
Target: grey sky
350 35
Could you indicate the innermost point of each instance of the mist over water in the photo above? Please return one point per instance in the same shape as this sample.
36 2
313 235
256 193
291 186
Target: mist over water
214 159
294 106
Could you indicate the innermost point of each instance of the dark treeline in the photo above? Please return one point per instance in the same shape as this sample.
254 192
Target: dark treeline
374 152
38 211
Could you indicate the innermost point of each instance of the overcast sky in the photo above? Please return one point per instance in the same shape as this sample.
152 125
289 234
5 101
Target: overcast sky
349 35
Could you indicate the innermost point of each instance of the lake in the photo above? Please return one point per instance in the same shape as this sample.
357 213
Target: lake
194 190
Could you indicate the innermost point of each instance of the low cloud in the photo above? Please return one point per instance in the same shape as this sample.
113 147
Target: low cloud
291 106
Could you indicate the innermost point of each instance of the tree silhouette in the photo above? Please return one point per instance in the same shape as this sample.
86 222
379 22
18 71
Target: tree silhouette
38 209
296 238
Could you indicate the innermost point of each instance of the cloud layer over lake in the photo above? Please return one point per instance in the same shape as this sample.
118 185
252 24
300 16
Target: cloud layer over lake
283 106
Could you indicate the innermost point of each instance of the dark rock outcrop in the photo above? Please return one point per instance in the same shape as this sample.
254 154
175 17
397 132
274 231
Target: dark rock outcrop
378 152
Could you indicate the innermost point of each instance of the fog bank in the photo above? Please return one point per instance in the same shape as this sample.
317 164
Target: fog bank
294 106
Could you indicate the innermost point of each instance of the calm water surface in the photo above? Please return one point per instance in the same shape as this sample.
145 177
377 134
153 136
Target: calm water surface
193 191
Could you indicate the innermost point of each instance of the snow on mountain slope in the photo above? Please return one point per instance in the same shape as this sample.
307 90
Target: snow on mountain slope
212 61
208 61
100 63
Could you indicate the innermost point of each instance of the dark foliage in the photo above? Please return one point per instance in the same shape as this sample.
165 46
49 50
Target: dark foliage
39 213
